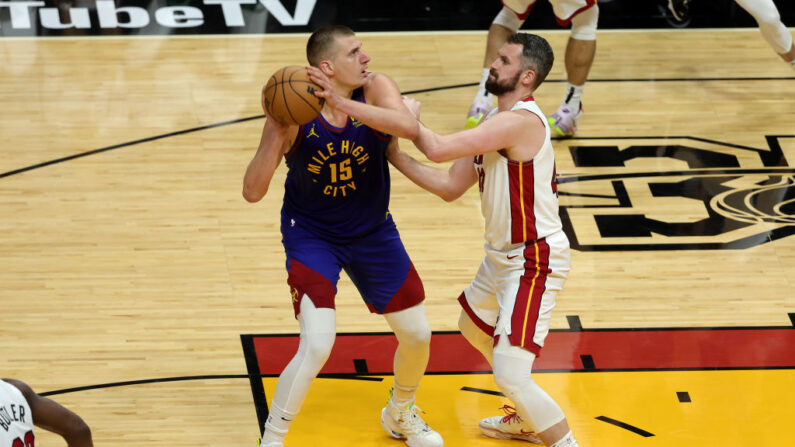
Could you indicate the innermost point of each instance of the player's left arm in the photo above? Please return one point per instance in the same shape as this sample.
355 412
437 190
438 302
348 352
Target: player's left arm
384 110
501 131
54 417
448 184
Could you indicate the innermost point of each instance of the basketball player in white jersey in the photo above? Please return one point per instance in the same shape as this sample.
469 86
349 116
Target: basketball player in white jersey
21 408
583 16
767 17
507 307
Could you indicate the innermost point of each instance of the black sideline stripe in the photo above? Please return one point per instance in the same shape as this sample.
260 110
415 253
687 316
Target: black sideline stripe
361 366
482 391
587 362
255 379
625 426
129 143
350 377
574 323
144 381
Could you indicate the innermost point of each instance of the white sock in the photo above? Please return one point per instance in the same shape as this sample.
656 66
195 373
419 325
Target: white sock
277 425
484 76
573 94
566 441
403 396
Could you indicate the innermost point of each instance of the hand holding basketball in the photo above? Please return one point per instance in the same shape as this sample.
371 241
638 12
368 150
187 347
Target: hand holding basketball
289 96
326 92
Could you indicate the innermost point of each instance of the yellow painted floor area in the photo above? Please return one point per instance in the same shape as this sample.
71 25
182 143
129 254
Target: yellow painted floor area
727 408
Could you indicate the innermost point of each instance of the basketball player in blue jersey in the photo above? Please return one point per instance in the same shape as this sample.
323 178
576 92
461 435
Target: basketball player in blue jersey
335 216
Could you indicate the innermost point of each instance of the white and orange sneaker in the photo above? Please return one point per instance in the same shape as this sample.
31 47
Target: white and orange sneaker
509 426
406 423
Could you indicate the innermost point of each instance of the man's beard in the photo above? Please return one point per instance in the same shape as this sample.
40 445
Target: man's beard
496 88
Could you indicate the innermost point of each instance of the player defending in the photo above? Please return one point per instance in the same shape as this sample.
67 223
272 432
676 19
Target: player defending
767 17
580 51
507 307
21 408
335 216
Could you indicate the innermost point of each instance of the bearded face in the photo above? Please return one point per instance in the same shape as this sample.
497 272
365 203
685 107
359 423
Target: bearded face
497 87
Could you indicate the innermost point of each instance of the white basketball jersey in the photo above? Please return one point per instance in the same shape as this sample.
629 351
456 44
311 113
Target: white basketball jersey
16 419
519 199
564 9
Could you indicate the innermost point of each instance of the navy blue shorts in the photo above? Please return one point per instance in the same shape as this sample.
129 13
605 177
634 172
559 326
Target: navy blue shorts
377 263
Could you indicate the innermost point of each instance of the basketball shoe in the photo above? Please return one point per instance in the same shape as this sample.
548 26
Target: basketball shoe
406 423
507 427
564 120
269 444
480 107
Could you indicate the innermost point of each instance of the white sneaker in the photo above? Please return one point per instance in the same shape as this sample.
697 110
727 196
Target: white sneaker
480 107
270 444
509 426
406 423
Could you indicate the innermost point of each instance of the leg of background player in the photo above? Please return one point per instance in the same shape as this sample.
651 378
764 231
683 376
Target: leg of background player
504 25
580 52
775 33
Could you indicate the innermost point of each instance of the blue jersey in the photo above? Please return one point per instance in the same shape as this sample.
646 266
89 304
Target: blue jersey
338 178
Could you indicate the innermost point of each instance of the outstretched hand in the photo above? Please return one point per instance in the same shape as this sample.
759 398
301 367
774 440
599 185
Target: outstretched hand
318 77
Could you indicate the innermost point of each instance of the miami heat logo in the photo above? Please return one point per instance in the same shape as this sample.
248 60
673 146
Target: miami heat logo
727 197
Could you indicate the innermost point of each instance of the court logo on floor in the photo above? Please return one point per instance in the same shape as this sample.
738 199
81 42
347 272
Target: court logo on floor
675 194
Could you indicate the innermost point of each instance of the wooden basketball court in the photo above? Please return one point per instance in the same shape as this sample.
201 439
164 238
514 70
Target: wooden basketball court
132 272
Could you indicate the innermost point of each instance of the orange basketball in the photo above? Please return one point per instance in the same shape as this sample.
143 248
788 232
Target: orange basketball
289 96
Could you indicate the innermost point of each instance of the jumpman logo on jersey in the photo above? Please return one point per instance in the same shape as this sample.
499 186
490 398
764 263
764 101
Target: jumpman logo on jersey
312 132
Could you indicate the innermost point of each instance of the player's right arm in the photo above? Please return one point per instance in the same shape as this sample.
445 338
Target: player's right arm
52 416
448 184
274 142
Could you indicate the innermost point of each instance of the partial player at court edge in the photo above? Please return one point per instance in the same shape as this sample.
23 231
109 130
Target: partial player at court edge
21 408
767 17
335 216
506 309
583 16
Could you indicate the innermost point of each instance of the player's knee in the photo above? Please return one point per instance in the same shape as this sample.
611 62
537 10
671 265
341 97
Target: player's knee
509 19
512 381
318 346
583 25
416 338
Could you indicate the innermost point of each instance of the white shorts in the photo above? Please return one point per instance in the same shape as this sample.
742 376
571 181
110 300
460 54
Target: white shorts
514 291
564 9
